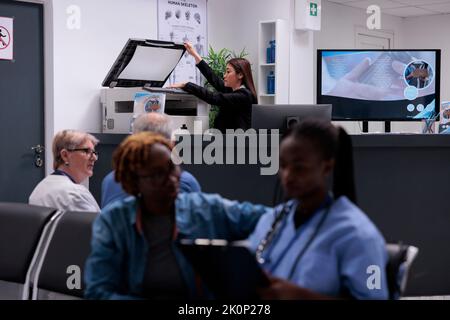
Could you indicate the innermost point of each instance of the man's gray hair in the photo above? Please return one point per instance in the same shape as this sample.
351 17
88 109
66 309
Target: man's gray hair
153 122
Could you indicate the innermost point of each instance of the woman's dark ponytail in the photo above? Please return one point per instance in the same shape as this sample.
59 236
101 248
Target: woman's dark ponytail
343 178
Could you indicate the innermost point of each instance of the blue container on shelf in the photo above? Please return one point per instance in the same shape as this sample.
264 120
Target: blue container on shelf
271 83
272 51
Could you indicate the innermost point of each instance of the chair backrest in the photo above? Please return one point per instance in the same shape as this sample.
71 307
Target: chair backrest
400 260
59 274
21 234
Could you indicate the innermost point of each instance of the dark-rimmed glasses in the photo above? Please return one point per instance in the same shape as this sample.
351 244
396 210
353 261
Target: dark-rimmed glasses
88 151
160 176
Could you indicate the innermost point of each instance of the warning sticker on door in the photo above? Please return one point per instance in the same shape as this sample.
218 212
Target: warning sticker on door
6 38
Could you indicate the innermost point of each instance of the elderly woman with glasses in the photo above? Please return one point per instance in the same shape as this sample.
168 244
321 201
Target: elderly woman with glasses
74 156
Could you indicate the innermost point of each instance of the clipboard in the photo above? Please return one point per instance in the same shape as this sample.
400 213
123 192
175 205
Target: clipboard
229 270
144 63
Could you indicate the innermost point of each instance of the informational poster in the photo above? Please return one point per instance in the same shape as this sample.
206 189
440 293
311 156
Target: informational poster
6 38
180 21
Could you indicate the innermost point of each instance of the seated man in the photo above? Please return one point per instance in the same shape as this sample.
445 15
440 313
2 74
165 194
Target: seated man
151 122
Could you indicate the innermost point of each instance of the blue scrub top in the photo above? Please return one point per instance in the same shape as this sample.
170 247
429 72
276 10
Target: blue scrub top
339 259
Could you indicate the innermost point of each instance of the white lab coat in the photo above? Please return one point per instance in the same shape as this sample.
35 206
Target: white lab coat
60 192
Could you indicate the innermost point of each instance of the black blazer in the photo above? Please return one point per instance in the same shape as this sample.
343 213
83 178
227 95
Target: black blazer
235 107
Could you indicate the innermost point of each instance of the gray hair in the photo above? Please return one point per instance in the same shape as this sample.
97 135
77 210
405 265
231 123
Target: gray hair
69 139
153 122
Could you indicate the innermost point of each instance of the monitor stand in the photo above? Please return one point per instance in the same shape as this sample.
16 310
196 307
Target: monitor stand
365 127
387 126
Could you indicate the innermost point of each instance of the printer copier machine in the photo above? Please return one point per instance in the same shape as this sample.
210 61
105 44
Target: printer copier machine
148 64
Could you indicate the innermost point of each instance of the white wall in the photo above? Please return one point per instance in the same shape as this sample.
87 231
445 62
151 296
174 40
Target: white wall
338 29
83 57
234 24
431 32
78 60
338 26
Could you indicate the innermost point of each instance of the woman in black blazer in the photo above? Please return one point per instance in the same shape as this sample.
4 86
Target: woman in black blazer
235 93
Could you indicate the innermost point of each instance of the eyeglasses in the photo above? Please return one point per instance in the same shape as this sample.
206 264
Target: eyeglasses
88 151
160 176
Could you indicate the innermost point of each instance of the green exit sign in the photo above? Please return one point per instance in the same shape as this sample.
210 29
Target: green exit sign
313 9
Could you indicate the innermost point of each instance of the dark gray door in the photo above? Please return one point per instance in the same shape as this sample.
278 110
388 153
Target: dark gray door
22 103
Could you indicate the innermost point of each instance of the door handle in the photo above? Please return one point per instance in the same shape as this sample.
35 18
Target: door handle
38 150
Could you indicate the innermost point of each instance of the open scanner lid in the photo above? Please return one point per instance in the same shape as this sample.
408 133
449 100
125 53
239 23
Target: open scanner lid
144 62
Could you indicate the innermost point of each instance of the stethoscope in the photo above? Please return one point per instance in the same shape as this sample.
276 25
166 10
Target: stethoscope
274 234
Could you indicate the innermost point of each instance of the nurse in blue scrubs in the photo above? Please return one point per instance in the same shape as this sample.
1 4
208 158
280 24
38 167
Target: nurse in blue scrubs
319 244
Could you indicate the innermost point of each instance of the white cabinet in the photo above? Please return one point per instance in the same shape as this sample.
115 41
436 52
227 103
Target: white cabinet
273 30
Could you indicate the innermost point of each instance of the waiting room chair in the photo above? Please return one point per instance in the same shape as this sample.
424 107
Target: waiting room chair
23 230
401 257
59 273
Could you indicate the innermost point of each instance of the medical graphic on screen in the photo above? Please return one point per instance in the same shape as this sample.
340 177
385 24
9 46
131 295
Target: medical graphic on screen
382 85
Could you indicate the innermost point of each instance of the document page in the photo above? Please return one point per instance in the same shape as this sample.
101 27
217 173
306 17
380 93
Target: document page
150 63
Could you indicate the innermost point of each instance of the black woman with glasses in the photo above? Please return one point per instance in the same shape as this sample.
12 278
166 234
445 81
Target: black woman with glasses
133 251
74 156
319 244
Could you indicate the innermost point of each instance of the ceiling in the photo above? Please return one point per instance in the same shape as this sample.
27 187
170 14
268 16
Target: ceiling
402 8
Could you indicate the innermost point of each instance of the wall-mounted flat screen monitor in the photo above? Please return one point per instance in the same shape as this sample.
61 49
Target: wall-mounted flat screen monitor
396 85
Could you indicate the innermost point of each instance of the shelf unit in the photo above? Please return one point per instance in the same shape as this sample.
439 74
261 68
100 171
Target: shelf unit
273 30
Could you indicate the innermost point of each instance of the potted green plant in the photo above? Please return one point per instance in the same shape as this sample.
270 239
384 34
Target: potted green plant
217 60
